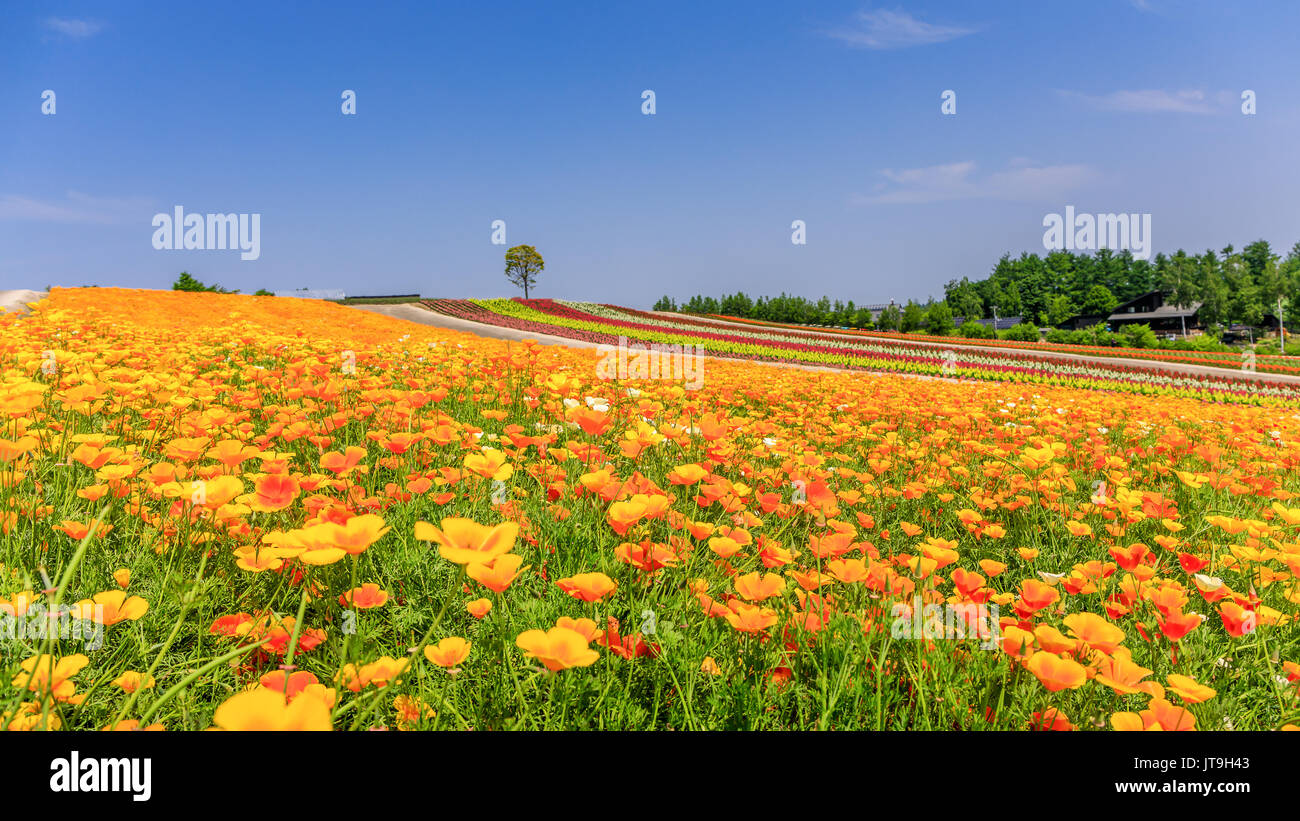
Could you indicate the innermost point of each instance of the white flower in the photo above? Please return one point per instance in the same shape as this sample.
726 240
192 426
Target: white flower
1212 582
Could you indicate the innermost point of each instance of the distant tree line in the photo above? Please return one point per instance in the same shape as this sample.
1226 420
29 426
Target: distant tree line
186 282
1232 286
783 308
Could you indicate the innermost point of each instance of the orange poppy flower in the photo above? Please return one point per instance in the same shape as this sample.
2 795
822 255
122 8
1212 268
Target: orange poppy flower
622 515
583 627
264 709
290 684
464 541
588 587
365 597
111 607
275 491
498 574
341 463
1237 620
751 587
1057 673
1189 689
1034 596
686 474
1094 631
558 648
749 618
449 652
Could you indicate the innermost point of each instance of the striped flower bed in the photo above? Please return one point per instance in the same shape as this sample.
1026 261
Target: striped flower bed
604 324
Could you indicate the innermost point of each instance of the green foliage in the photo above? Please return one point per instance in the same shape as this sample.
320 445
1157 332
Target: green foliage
939 319
1058 310
862 319
523 264
970 329
1098 300
912 319
1138 336
1234 286
185 282
1023 332
964 300
1270 346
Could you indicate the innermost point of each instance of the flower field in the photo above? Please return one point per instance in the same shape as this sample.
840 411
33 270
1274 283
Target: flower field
1215 359
237 512
876 352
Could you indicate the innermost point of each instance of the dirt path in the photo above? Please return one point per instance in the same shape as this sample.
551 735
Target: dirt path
426 316
1175 367
413 312
17 299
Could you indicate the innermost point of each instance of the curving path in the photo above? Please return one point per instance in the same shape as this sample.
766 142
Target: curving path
412 312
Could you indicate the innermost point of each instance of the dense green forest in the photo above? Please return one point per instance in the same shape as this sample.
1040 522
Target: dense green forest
1232 286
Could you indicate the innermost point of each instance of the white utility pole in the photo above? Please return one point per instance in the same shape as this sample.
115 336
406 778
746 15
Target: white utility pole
1281 329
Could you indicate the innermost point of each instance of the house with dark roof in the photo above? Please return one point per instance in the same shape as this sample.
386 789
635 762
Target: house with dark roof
1152 308
1083 322
1002 323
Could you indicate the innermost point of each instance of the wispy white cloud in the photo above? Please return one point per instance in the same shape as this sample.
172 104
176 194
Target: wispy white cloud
895 29
1021 180
77 29
1156 101
76 207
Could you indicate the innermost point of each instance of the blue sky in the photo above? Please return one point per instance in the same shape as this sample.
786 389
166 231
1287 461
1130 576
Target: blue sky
766 113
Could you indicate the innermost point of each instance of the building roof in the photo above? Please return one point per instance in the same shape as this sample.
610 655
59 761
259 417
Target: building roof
1003 322
318 293
1163 312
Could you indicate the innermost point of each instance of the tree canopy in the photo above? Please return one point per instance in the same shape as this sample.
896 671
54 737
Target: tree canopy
523 264
1232 286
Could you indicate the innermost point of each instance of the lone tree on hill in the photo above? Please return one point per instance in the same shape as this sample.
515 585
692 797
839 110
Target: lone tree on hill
523 264
185 282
